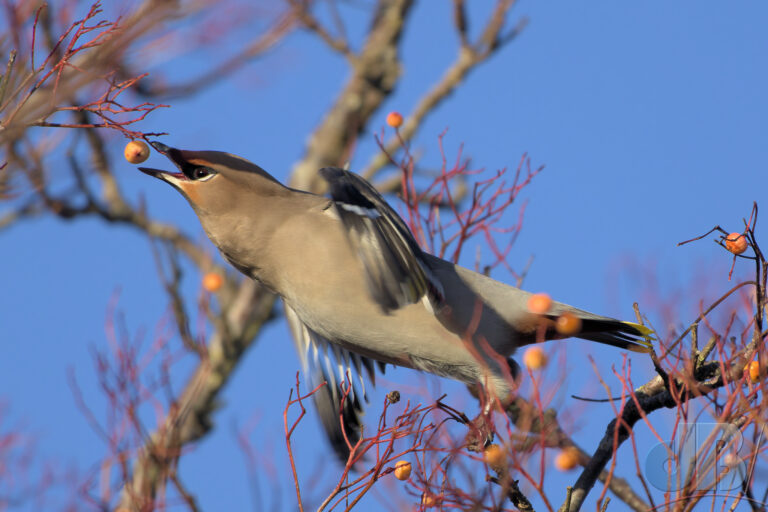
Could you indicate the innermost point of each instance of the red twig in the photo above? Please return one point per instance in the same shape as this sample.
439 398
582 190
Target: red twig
289 431
480 213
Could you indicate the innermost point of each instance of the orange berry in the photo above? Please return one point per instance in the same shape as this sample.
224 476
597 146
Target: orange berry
136 151
402 469
212 281
754 371
568 324
539 303
736 243
567 459
535 358
394 119
495 456
427 500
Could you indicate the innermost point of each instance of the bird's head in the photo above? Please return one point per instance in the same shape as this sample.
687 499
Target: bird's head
212 181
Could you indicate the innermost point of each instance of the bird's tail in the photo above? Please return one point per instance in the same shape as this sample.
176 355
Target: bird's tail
625 335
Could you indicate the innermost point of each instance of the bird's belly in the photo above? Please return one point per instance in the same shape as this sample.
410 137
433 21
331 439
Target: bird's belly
410 336
336 304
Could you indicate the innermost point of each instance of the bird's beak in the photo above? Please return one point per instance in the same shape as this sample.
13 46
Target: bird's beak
174 155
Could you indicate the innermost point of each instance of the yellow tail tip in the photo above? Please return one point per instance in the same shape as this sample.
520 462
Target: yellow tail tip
642 329
646 332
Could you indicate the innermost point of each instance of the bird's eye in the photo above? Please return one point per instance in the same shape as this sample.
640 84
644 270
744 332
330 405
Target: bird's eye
201 172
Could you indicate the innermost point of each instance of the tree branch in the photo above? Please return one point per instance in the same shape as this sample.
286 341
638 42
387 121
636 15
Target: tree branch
374 74
467 59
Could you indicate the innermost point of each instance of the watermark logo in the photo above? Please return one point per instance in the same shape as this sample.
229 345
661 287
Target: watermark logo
701 456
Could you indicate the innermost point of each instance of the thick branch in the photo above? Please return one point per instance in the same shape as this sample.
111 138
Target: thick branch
190 419
467 59
374 75
650 397
524 414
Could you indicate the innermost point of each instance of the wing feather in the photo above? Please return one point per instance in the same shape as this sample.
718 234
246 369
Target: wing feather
397 274
321 360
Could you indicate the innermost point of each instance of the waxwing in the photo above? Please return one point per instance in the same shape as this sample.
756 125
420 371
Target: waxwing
358 291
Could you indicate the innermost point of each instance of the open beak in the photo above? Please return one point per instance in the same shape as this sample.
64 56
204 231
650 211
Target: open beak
175 156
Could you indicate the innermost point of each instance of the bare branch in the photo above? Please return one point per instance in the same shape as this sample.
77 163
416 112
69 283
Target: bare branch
228 66
339 44
197 402
374 74
468 58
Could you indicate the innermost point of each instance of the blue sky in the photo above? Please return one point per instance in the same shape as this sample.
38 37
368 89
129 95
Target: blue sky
651 119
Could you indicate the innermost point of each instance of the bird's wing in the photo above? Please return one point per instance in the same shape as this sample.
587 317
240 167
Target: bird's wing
396 271
323 361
